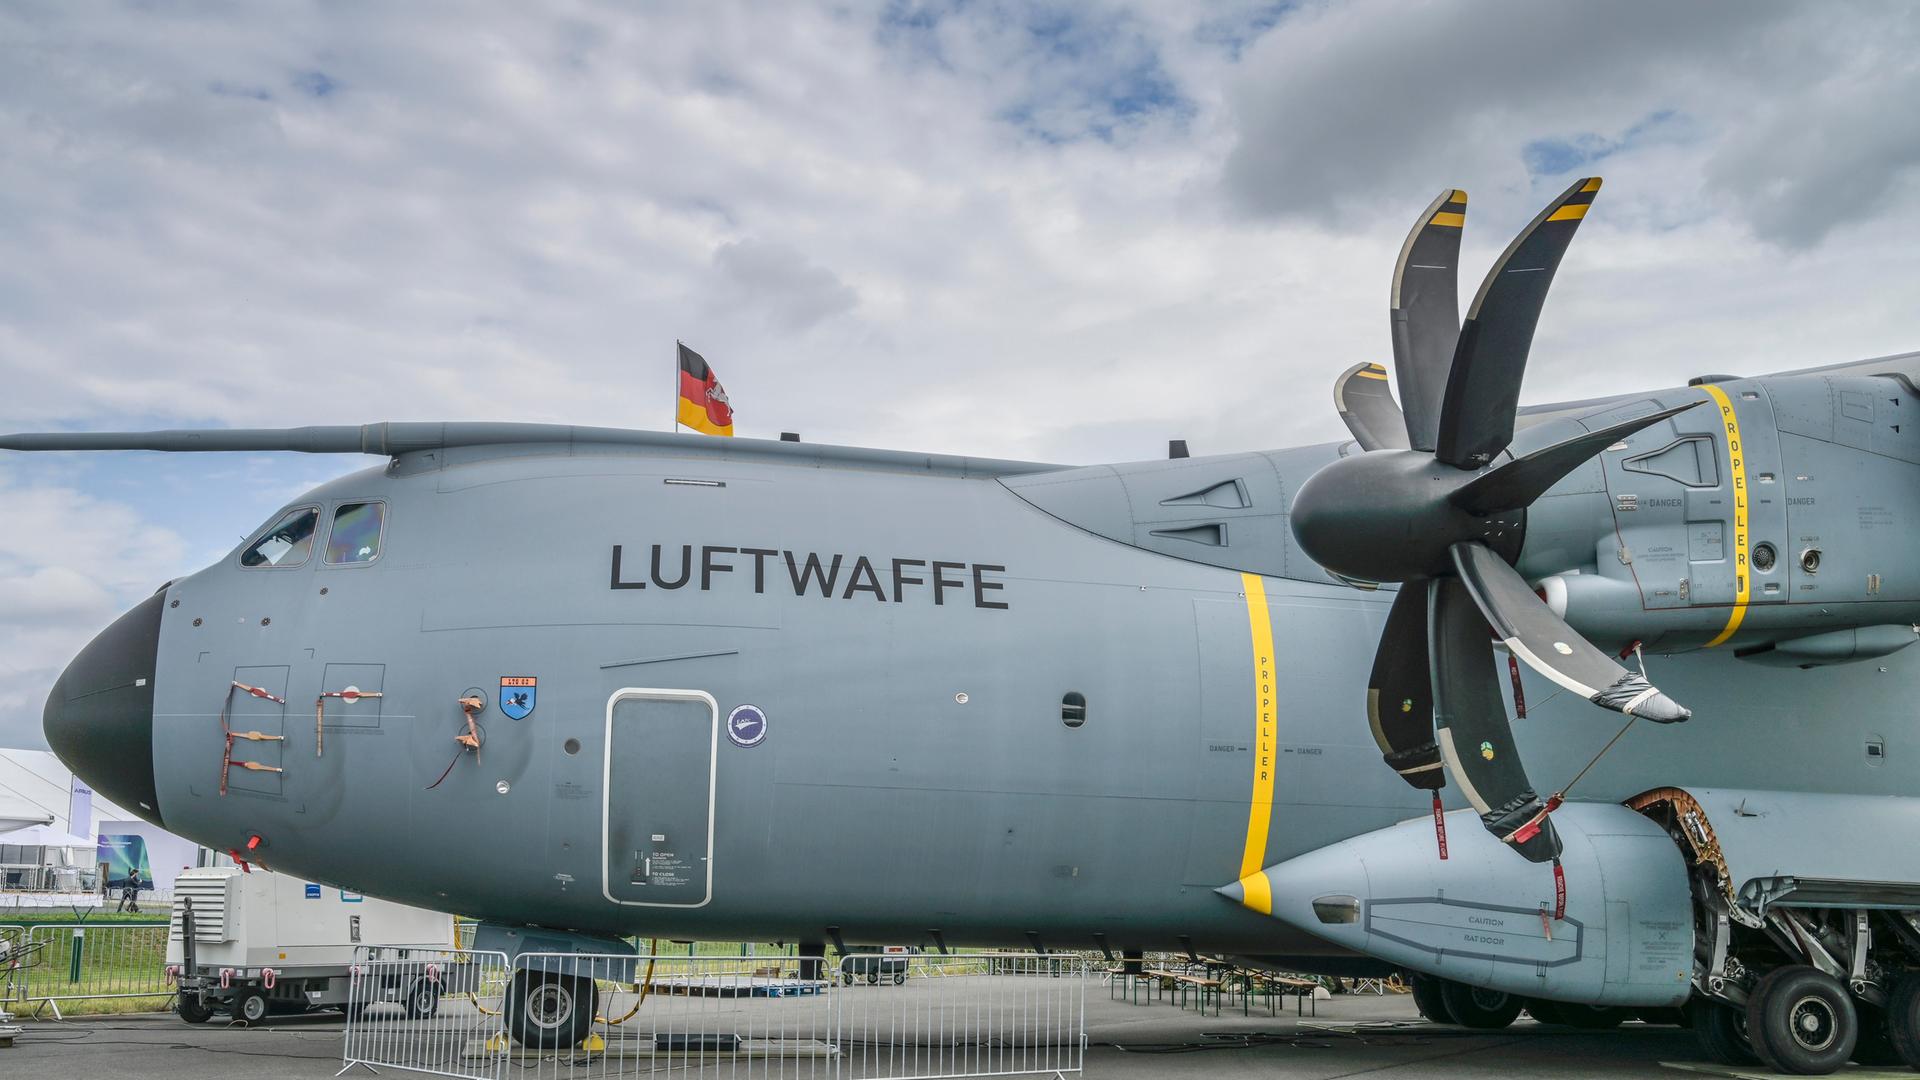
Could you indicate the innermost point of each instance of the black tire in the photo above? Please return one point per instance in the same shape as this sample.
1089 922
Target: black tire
547 1010
1722 1032
1428 999
192 1008
250 1005
900 978
1544 1011
873 978
1802 1021
1473 1007
846 978
1903 1019
1875 1045
1593 1017
423 999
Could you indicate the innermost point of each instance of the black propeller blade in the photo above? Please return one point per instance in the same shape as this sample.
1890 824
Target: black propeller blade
1361 396
1426 313
1545 643
1400 695
1483 385
1527 477
1472 730
1435 517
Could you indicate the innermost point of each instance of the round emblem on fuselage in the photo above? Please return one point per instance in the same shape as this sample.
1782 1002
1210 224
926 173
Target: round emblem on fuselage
746 725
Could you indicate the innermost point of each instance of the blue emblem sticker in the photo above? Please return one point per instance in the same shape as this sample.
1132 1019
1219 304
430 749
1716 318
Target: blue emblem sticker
517 694
747 725
313 891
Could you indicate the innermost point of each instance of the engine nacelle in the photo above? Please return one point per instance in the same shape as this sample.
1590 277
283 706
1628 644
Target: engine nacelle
1485 918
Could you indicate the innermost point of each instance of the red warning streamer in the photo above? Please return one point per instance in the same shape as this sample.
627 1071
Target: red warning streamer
1440 825
1519 695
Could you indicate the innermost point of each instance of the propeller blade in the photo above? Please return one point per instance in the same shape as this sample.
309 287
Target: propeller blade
1483 384
1400 694
1470 725
1545 643
1517 483
1367 406
1426 312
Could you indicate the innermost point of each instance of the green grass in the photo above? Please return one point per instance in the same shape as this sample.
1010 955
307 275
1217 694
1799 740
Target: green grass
116 957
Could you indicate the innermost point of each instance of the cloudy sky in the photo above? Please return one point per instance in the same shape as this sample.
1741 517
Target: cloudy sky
1063 231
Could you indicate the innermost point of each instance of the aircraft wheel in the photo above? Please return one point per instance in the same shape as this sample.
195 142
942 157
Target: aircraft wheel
1875 1045
1427 998
1546 1012
192 1008
1473 1007
547 1010
1802 1021
250 1005
1722 1031
423 999
1903 1019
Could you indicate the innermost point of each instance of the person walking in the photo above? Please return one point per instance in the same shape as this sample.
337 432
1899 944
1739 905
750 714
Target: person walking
130 895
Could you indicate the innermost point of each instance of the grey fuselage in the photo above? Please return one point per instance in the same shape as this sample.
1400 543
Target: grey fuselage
914 771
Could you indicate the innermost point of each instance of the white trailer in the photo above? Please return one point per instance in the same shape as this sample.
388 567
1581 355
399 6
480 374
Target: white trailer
250 942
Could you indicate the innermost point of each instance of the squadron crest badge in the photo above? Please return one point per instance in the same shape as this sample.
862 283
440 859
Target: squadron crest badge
517 695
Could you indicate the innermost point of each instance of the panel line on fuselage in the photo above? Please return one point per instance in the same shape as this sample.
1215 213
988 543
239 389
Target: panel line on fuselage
1253 857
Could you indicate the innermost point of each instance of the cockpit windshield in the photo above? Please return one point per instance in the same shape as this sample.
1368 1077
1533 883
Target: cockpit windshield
287 543
356 533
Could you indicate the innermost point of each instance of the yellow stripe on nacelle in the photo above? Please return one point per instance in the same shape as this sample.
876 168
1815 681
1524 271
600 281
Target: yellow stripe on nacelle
1266 732
1737 467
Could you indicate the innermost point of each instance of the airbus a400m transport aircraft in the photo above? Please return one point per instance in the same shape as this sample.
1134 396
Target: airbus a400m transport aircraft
727 688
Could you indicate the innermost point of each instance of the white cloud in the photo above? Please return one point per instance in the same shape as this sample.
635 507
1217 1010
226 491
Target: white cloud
69 565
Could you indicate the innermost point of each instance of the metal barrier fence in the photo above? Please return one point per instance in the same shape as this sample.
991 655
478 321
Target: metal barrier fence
571 1017
90 960
563 1015
13 964
922 1016
436 1011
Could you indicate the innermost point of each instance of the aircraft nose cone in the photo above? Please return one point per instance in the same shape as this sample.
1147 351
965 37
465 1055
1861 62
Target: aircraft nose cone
99 717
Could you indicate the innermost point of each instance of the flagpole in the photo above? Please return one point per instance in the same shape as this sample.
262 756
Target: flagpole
676 385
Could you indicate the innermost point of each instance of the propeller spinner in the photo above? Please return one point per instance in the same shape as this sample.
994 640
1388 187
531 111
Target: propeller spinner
1435 517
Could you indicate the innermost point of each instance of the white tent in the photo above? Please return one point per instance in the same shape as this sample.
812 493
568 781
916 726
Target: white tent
45 836
16 819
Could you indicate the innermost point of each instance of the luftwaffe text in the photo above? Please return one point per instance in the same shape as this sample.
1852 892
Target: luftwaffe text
835 576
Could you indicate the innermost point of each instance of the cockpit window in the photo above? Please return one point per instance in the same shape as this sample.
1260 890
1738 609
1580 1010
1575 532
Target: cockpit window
356 533
287 543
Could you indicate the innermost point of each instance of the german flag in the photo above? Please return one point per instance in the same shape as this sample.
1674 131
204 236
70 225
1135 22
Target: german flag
703 404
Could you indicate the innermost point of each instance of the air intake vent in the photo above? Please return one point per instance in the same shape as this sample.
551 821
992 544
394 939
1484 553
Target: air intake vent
1213 534
1690 461
1228 495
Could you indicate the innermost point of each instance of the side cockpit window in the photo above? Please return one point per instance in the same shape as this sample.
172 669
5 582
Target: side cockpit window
287 543
356 533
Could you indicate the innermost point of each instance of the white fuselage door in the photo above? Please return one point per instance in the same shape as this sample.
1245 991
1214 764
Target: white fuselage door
657 822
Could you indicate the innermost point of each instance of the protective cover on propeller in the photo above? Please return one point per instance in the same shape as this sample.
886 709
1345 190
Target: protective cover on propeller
1432 505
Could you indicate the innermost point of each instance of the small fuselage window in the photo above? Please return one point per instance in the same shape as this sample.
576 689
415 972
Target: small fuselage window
356 533
287 543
